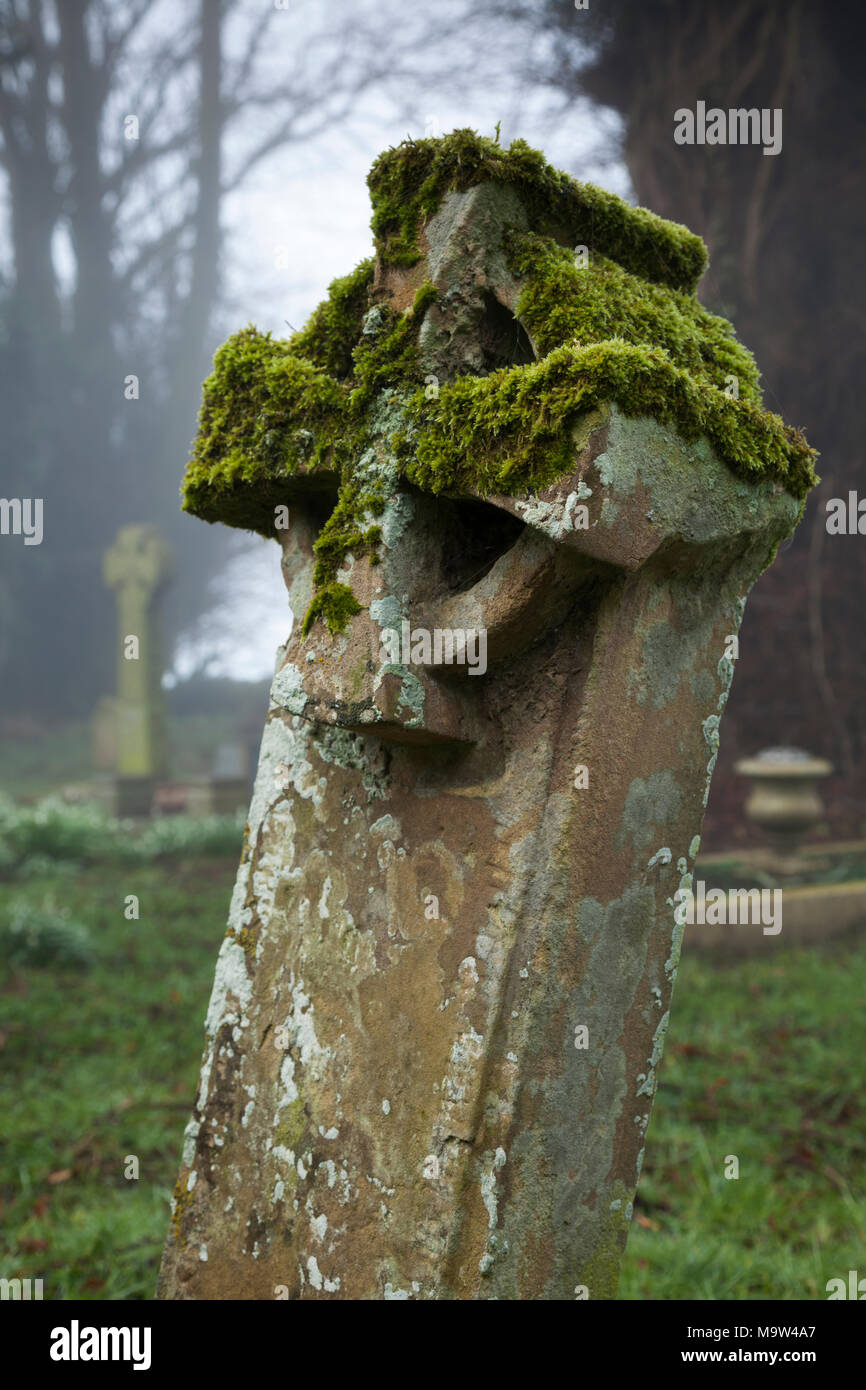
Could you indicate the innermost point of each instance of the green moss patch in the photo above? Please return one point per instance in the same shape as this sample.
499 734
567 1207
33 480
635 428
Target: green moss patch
275 420
266 415
341 405
510 432
603 335
330 337
600 302
408 183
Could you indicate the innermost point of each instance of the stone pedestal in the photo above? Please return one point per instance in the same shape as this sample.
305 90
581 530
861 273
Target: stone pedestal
103 735
133 796
784 800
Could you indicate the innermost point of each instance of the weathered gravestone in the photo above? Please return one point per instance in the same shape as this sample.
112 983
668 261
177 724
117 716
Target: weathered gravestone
439 1010
137 566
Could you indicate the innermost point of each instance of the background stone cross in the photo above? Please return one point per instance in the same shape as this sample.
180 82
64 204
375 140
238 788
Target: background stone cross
137 566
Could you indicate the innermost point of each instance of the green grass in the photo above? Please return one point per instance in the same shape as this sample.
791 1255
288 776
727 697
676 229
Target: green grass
101 1064
765 1060
54 838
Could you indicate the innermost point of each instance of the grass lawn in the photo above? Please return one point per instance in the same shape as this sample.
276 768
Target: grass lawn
764 1060
102 1064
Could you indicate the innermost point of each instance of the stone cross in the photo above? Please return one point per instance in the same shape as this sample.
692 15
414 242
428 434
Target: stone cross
440 1007
137 566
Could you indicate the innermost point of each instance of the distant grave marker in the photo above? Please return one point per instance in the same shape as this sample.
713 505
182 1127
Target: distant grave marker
137 567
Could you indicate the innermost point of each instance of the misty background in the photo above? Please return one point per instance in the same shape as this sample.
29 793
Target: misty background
173 169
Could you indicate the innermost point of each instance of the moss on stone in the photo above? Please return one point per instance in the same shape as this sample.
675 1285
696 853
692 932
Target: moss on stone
408 183
603 334
390 360
563 302
266 415
269 416
293 1122
329 338
182 1202
335 604
510 432
341 405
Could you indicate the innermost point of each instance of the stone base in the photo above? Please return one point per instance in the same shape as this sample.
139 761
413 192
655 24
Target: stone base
132 796
218 796
812 915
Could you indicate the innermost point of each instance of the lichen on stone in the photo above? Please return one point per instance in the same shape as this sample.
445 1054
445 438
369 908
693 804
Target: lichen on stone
181 1202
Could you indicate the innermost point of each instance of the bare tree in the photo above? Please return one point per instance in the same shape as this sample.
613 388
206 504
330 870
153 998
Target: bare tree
122 129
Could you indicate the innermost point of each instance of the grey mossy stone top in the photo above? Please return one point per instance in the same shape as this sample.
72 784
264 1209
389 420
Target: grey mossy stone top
507 306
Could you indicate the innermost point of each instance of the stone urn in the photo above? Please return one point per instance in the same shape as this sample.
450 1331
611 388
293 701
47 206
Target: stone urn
784 800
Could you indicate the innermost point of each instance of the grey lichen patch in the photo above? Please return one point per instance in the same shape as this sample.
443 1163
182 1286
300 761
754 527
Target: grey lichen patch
726 675
684 886
691 492
282 757
599 1274
661 856
646 1081
232 988
411 696
662 665
373 321
352 752
396 519
710 728
386 827
651 804
703 686
618 933
388 612
562 1194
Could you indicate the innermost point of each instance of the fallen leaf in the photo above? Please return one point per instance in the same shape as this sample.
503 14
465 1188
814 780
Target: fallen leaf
60 1175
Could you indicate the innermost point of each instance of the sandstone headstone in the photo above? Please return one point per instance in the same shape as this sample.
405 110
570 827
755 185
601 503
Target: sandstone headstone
440 1007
